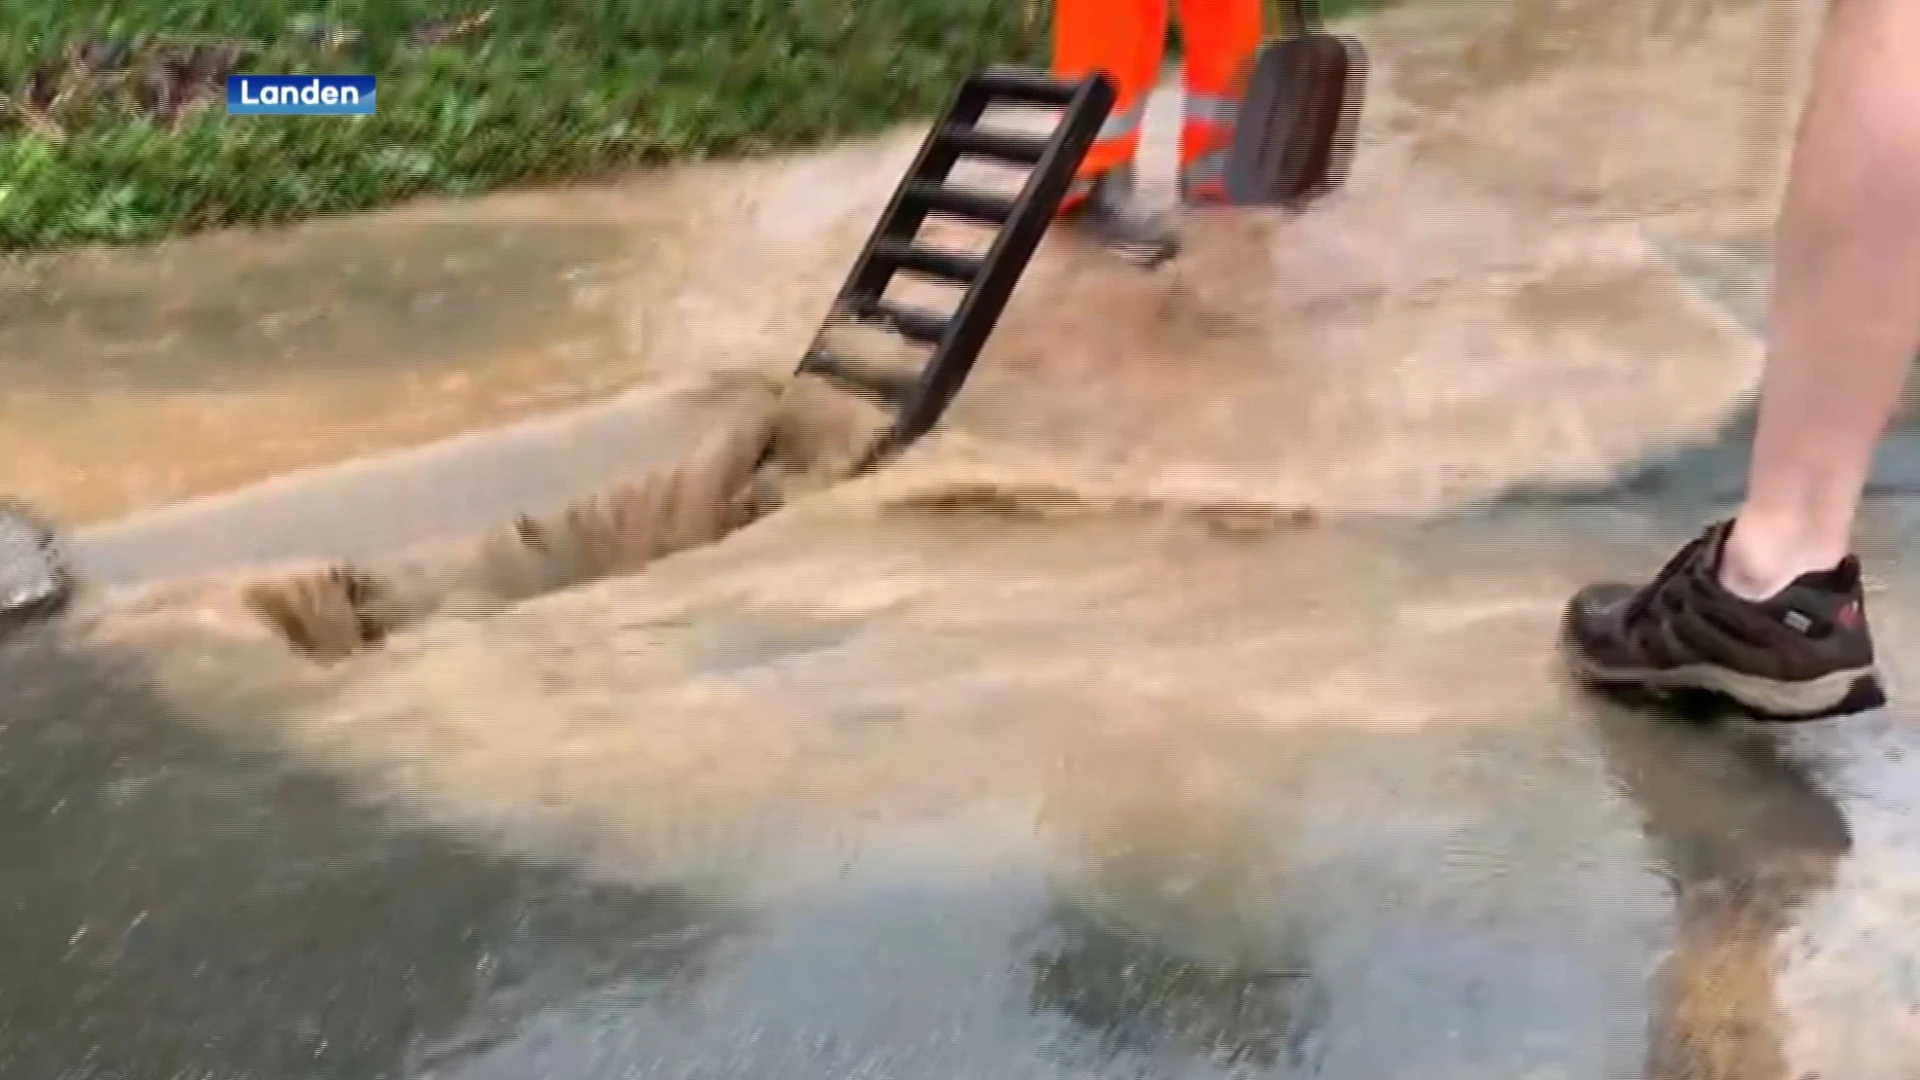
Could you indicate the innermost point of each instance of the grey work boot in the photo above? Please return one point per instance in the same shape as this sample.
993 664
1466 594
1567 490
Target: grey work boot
35 579
1114 216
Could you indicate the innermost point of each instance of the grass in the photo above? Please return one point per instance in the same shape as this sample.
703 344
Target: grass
546 90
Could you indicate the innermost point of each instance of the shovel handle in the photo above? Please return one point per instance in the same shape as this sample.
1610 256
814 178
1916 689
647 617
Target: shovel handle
1306 16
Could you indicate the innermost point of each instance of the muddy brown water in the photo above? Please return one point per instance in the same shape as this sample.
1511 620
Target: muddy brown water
903 783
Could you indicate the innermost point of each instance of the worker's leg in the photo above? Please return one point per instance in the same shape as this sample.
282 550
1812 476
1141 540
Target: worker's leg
1125 40
1767 608
1221 37
1122 39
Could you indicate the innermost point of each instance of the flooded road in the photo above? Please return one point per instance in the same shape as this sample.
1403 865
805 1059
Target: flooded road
972 767
135 380
242 357
1329 811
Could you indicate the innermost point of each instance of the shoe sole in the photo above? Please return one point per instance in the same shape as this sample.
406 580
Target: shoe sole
1839 693
1147 254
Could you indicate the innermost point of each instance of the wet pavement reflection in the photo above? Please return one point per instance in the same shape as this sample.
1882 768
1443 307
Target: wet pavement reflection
1746 838
1133 995
1019 875
178 905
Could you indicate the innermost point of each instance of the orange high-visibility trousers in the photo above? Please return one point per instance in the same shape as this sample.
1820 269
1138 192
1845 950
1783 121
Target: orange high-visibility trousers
1126 39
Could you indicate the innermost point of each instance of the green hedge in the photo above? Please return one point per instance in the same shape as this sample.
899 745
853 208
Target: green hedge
547 89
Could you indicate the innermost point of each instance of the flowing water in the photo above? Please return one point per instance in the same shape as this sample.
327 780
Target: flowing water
966 768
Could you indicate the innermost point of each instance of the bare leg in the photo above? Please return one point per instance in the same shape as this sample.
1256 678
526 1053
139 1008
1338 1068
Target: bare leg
1846 303
1769 610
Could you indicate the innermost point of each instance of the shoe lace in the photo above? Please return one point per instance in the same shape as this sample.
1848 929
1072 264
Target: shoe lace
1643 601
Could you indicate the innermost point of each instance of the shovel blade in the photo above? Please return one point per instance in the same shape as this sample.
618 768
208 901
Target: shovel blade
1293 141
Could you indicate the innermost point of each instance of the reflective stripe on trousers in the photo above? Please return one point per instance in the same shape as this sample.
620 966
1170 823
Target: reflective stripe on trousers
1208 109
1205 177
1118 140
1206 125
1122 123
1206 168
1206 135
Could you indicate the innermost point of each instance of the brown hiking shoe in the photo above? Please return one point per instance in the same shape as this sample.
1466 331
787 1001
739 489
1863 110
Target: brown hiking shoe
1804 654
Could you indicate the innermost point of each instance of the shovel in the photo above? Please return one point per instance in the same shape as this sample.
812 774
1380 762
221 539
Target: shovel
1294 137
